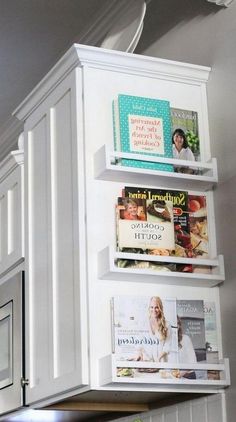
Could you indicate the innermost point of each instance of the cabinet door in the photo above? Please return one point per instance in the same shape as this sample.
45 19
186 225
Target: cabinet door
56 316
11 344
11 212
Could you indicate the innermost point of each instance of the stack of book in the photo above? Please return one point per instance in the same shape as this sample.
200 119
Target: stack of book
151 127
164 330
161 222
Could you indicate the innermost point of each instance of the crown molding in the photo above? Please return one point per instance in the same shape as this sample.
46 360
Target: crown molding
81 55
9 134
221 2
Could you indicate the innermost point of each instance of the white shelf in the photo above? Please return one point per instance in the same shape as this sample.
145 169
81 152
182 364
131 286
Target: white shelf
107 269
106 169
109 364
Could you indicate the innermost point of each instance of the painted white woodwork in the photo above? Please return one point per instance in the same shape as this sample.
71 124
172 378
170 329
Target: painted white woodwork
56 314
8 136
70 213
11 211
107 269
150 382
11 313
106 169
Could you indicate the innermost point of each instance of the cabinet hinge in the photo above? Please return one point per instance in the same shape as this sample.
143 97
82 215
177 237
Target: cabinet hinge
24 382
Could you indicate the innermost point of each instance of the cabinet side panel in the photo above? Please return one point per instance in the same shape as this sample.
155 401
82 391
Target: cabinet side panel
62 236
37 234
56 326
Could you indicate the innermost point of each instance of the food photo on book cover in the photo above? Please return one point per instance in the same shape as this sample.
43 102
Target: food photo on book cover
161 222
145 224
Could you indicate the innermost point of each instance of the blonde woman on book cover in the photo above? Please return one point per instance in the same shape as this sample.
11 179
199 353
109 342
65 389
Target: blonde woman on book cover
161 330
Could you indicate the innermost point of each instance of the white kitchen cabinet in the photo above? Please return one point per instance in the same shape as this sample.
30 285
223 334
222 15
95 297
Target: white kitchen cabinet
71 186
56 305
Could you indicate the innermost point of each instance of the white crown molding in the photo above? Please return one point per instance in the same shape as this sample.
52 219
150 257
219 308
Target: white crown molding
81 55
221 2
9 134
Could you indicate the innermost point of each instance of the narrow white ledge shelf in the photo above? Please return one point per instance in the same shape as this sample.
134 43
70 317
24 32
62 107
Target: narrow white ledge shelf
108 270
156 382
105 168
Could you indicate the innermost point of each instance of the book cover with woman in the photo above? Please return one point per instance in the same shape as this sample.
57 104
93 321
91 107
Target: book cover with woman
145 328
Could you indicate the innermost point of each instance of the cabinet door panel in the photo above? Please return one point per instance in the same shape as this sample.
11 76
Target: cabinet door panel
6 345
11 344
11 212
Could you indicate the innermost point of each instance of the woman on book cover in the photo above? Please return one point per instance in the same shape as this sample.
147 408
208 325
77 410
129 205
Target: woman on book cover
162 330
186 352
181 150
132 211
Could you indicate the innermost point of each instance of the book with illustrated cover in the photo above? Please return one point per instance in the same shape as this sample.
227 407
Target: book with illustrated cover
185 124
180 214
197 205
145 225
144 329
142 126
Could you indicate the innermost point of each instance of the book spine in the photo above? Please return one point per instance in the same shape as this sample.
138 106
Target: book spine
116 125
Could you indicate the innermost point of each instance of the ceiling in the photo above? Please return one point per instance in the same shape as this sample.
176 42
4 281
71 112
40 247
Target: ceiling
33 36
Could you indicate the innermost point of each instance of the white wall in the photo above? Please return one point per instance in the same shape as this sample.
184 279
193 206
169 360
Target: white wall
225 214
203 33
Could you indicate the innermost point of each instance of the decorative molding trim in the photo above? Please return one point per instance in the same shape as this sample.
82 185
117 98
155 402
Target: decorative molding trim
81 56
221 2
13 160
9 134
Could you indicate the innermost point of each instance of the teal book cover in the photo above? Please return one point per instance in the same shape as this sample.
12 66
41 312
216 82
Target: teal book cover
143 126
